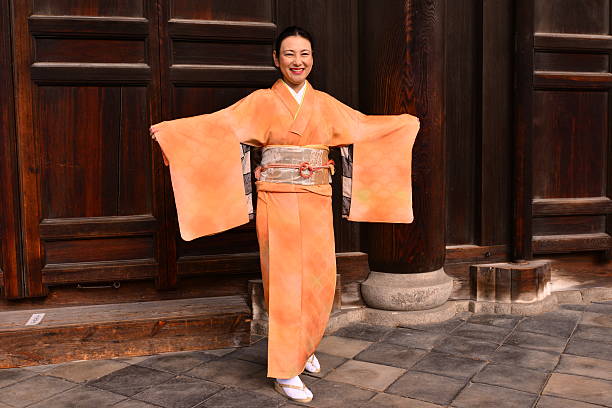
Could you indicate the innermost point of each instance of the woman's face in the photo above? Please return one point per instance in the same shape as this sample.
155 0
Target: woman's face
295 60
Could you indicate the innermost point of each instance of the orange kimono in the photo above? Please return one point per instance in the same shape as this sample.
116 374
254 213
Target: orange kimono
294 222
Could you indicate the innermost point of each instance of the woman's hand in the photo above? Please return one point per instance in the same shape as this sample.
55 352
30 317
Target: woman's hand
152 131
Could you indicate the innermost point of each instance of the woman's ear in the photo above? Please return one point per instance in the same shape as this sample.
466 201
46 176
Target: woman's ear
275 57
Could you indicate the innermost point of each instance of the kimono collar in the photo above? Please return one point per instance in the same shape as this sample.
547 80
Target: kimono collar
301 113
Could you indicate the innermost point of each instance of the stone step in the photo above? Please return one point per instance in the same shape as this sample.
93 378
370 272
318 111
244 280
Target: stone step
123 329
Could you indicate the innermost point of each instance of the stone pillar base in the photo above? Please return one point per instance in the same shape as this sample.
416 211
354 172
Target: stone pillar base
510 283
408 292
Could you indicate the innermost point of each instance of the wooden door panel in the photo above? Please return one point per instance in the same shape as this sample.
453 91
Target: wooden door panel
569 125
228 10
209 63
572 16
94 166
89 50
569 143
110 8
88 90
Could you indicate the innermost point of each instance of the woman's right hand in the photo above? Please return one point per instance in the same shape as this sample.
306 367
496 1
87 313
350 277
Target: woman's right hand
152 131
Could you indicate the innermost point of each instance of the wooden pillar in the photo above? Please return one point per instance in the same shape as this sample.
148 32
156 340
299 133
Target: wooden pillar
402 70
402 67
12 274
522 181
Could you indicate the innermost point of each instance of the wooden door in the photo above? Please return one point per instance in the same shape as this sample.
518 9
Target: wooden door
94 201
87 81
213 53
564 149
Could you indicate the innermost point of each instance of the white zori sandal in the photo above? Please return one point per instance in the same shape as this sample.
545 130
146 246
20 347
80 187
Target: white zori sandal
294 389
312 365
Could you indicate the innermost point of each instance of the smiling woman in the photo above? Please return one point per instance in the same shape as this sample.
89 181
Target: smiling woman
293 56
295 124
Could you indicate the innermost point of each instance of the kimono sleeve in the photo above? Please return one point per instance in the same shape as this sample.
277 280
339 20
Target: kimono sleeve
377 176
206 160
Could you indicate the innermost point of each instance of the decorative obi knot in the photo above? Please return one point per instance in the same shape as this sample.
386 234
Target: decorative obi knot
305 165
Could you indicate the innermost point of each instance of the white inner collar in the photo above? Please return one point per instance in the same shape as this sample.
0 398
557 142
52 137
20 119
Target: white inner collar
299 95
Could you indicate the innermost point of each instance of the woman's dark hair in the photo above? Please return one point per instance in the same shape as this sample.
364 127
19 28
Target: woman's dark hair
290 32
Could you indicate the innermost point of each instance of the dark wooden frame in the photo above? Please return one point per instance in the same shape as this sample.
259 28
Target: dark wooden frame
523 102
12 277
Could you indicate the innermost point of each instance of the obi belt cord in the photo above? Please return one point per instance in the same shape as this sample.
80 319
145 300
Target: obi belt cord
210 170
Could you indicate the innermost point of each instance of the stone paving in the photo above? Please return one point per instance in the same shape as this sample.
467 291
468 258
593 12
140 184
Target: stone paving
554 360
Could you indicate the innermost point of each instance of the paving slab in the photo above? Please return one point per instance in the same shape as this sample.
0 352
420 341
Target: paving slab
176 363
449 365
130 403
534 359
363 331
219 352
372 376
585 366
81 397
261 384
132 360
427 387
342 346
591 390
505 321
546 401
236 398
395 401
225 371
257 353
131 380
179 392
83 371
10 376
330 394
482 332
575 307
33 390
588 348
483 395
517 378
537 341
558 328
466 347
593 333
391 354
600 307
414 338
597 319
443 327
327 362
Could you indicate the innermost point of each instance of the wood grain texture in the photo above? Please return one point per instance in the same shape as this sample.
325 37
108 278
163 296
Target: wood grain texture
128 329
568 206
561 16
462 128
598 241
563 164
125 8
10 212
522 177
406 75
494 175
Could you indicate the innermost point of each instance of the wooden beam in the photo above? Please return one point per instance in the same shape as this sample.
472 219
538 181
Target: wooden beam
572 206
120 330
546 244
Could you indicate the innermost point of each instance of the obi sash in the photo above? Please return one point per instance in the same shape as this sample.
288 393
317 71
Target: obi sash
304 165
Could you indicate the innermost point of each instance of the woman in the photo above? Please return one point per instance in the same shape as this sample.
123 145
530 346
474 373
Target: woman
295 125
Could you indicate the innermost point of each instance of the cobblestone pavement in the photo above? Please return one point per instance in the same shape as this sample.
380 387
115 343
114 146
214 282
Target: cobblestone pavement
554 360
